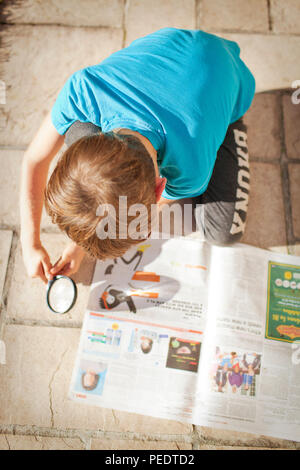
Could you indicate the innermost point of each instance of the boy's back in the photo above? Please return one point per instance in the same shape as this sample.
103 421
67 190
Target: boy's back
179 88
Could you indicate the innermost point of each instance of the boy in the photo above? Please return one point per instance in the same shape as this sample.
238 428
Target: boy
157 121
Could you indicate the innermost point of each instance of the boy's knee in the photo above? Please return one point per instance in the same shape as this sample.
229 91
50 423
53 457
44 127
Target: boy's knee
218 226
221 238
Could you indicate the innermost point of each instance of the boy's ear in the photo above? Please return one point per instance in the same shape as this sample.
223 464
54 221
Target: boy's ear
160 184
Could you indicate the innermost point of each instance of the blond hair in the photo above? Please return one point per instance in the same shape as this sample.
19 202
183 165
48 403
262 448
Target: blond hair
97 170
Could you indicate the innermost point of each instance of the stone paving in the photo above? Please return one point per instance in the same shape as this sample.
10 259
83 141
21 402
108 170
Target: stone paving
42 43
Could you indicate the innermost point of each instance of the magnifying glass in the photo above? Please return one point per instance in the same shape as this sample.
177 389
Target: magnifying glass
61 294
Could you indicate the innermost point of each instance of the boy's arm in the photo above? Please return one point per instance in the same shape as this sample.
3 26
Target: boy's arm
35 166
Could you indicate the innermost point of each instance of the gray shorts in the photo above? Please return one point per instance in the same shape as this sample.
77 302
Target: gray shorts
221 210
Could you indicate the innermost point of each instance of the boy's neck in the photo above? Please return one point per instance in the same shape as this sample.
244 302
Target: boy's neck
146 142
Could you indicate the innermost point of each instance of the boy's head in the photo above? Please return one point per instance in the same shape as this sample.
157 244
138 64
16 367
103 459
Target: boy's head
146 344
92 173
89 380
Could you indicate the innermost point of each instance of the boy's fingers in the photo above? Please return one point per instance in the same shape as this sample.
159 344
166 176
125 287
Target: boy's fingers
56 263
60 263
47 267
67 270
41 274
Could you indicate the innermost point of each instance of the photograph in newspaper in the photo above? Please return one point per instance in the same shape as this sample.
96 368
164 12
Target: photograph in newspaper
137 366
235 372
157 281
183 354
91 377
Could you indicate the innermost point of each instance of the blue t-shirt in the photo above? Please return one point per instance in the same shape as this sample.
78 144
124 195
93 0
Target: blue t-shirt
179 88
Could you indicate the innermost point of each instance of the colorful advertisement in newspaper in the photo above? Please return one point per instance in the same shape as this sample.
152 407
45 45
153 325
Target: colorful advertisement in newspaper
283 302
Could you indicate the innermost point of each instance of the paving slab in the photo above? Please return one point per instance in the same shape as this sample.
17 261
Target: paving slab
233 15
34 357
267 58
143 17
3 442
19 442
263 122
5 245
31 92
94 12
291 122
35 381
33 307
130 444
265 226
11 162
285 16
221 437
132 422
294 175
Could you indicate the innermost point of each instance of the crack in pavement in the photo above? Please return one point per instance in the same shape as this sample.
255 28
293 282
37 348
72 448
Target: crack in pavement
50 386
7 442
114 416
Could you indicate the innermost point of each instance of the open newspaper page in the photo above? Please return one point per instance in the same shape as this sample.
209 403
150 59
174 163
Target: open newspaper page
142 335
250 363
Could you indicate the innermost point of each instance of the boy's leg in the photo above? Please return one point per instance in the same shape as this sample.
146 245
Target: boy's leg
221 211
78 130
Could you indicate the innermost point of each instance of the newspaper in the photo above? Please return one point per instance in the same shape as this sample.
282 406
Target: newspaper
183 330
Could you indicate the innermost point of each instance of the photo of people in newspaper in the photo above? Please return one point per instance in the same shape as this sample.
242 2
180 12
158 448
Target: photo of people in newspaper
91 377
235 372
183 354
144 341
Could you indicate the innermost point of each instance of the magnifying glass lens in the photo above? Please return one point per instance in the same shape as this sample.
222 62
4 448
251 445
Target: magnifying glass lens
61 294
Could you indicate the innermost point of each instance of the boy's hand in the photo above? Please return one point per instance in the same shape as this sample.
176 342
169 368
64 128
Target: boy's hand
37 262
69 262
